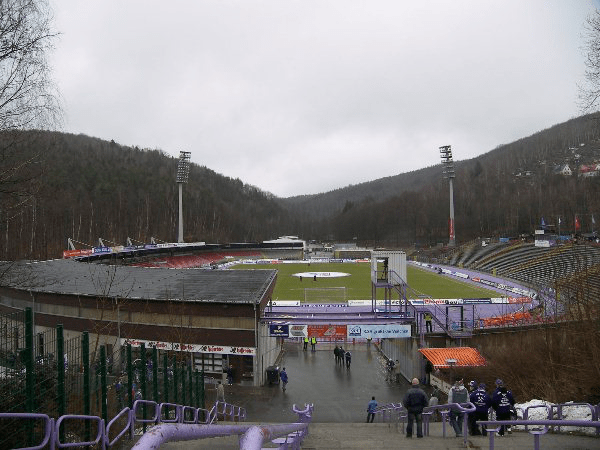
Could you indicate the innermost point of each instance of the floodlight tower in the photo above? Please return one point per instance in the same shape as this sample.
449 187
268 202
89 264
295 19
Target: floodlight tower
183 170
446 155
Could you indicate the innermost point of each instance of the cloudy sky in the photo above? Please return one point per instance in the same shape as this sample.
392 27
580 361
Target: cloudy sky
300 97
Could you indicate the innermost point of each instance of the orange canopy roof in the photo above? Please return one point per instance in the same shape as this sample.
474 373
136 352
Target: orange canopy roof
443 357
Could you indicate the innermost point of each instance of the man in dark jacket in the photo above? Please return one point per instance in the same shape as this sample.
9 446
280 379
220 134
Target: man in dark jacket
482 402
414 401
502 402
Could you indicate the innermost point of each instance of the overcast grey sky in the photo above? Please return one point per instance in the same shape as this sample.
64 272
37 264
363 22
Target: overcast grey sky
300 97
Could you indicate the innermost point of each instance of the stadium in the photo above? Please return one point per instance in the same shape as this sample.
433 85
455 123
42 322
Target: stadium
239 309
176 296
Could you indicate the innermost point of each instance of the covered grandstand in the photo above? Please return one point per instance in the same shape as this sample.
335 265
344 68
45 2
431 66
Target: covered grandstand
164 296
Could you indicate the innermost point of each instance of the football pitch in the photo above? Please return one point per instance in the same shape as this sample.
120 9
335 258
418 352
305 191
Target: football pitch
358 283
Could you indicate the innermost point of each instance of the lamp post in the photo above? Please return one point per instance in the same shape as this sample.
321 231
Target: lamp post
446 155
183 170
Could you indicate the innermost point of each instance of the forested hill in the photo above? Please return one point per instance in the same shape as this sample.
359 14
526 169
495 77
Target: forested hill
85 188
57 186
570 143
504 192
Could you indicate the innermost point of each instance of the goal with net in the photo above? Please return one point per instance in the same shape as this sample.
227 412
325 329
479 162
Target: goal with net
325 295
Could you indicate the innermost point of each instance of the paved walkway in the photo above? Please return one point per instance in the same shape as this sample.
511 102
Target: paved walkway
340 398
337 393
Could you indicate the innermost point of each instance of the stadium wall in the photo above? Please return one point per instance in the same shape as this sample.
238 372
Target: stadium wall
110 321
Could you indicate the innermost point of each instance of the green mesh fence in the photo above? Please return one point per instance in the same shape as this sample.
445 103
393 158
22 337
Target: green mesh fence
42 372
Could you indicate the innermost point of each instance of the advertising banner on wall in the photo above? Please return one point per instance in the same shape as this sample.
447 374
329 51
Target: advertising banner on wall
298 331
279 330
191 348
379 331
327 331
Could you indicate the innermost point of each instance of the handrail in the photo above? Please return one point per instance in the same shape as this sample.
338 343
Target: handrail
536 433
100 436
168 432
52 427
127 428
559 410
177 409
48 426
464 408
138 403
255 437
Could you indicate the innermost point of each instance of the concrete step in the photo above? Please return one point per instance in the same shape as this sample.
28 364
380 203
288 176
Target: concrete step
338 436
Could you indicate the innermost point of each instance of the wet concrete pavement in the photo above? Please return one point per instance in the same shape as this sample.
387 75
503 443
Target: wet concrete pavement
340 398
337 393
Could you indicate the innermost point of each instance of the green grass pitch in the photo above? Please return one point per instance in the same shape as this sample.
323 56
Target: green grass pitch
358 284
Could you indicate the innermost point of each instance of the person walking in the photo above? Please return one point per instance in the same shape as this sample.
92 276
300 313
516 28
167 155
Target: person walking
390 370
313 343
428 370
335 353
284 378
458 394
230 374
348 359
414 401
305 343
482 401
503 403
371 407
220 392
341 354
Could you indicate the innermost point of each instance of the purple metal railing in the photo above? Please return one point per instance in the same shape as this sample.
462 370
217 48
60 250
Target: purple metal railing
166 429
48 427
398 411
536 433
130 416
252 437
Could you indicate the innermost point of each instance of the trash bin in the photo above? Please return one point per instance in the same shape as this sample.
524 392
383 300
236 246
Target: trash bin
273 374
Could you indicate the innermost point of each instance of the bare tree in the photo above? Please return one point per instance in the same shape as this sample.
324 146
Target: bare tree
589 90
27 96
28 99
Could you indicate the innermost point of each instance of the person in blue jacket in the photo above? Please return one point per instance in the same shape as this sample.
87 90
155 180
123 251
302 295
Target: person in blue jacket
503 403
371 407
483 402
284 378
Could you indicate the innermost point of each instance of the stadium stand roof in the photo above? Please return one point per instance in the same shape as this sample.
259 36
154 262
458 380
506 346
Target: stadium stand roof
71 277
463 357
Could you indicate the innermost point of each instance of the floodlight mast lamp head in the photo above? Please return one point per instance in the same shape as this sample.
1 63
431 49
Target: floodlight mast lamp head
183 167
446 155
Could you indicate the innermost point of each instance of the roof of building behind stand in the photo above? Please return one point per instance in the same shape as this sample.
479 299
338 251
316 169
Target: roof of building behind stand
70 277
453 357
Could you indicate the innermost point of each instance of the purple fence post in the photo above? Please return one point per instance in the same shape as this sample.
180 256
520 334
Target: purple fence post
100 436
107 441
305 415
48 426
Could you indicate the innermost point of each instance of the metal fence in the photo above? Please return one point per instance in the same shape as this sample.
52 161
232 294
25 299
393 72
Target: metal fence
47 374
